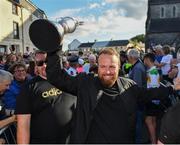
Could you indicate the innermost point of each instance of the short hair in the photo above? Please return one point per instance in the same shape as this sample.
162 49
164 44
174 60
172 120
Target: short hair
133 53
166 49
5 75
150 56
92 57
109 51
16 65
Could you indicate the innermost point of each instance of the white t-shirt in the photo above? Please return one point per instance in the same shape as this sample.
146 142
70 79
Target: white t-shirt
71 71
86 67
153 78
166 59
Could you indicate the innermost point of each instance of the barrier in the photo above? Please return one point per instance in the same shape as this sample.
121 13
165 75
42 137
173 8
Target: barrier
8 133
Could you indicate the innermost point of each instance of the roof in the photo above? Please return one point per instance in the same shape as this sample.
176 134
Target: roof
104 44
159 2
118 43
89 44
164 25
100 44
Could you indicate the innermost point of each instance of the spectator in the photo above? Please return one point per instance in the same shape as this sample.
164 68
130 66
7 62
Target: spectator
44 112
138 71
31 69
138 74
10 60
165 63
158 57
65 63
92 61
5 81
20 78
93 69
170 132
80 68
152 108
73 63
2 62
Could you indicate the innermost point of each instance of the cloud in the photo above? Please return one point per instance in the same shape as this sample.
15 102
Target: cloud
94 5
107 26
132 8
65 12
118 19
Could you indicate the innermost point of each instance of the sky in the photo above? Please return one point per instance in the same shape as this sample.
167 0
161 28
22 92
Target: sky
103 19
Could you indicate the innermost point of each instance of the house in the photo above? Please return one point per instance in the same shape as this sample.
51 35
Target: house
96 46
15 19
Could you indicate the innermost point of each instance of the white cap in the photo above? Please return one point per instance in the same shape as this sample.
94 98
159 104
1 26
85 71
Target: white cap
158 47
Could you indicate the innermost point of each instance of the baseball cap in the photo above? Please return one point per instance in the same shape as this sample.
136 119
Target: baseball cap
73 59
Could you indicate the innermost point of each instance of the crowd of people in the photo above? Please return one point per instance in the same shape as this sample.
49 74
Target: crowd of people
107 97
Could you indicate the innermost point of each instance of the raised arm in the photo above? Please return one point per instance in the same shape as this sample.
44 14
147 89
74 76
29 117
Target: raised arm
57 76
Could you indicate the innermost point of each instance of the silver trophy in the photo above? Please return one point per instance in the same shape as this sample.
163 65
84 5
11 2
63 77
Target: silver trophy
47 35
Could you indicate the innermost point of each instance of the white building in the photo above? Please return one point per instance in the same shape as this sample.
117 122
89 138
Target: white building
15 19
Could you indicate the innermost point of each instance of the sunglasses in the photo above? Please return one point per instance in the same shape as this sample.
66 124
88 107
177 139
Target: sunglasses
41 62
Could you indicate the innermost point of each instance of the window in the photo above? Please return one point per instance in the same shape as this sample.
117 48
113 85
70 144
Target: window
162 15
3 48
174 11
14 8
15 30
15 48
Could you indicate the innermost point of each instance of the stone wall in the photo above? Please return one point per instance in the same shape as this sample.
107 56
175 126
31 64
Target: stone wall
155 10
172 39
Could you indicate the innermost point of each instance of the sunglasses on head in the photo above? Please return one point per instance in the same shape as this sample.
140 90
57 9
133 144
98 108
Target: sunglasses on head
41 62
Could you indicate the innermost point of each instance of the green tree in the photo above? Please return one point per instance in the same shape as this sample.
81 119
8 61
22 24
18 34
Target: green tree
138 38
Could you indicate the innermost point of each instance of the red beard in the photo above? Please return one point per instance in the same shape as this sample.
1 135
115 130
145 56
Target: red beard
108 83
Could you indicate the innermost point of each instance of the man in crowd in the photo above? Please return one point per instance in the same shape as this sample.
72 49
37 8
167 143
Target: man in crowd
5 81
44 112
106 104
73 64
138 70
91 62
138 74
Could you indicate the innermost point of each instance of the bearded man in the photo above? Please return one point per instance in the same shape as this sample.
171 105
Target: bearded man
106 104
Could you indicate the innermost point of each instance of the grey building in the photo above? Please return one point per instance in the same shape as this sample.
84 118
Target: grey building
96 46
163 23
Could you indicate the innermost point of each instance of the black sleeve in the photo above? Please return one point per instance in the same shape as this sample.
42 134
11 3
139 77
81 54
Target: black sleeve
145 95
57 76
170 126
23 101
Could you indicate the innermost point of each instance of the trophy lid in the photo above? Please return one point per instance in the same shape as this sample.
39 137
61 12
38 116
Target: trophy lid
44 35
